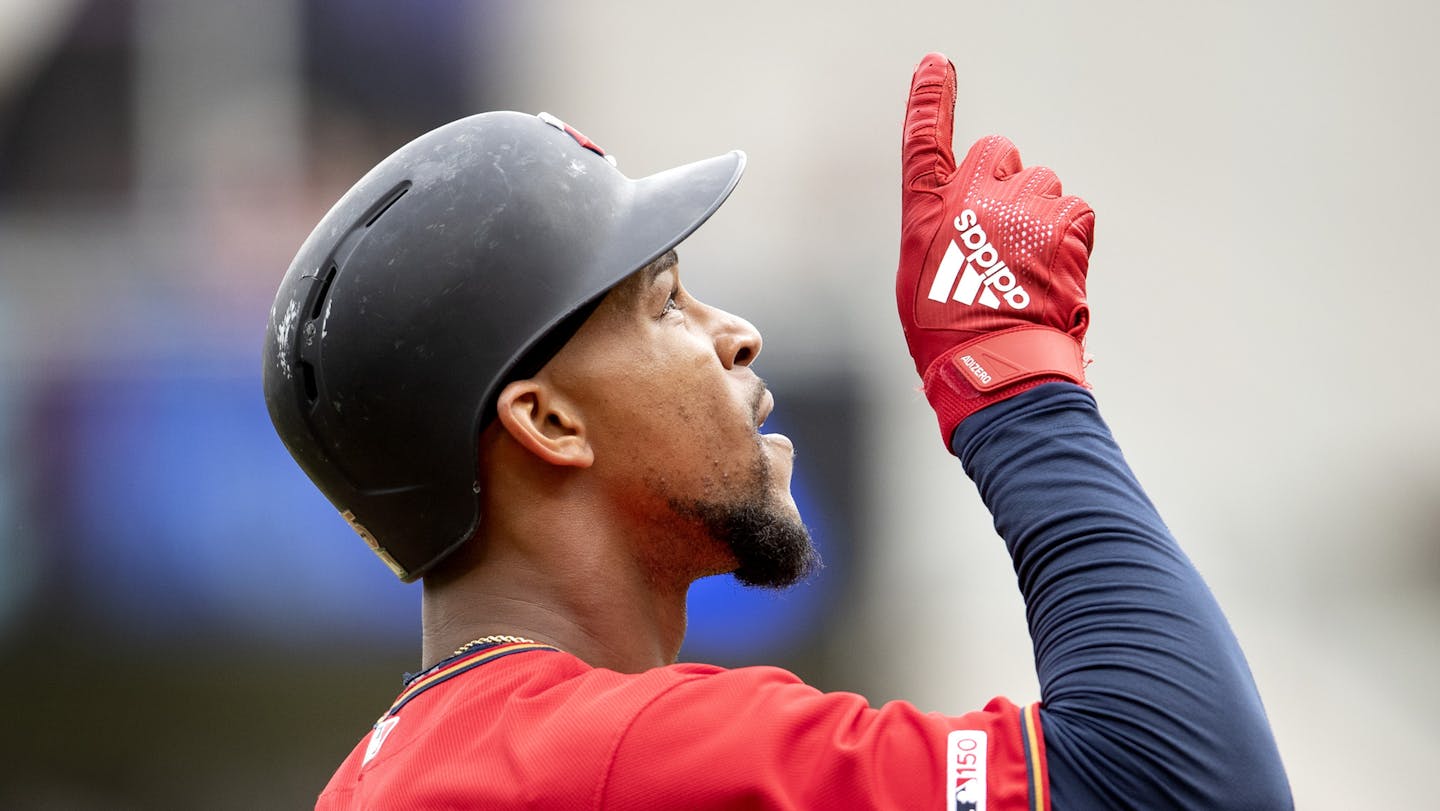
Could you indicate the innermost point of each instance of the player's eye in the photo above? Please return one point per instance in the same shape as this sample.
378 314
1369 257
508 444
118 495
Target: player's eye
672 303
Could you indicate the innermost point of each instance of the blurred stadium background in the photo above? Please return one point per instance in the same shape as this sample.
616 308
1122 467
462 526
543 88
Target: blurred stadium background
184 622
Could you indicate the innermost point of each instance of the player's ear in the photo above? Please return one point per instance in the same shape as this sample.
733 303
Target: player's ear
544 423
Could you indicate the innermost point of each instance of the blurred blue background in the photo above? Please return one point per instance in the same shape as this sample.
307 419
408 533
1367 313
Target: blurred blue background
184 620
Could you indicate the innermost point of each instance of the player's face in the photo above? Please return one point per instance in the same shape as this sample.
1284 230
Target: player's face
673 413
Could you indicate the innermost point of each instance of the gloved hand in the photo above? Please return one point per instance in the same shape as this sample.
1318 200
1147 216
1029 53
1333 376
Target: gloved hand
991 285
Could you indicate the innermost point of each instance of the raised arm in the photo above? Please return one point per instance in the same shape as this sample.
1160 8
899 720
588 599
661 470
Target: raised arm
1148 702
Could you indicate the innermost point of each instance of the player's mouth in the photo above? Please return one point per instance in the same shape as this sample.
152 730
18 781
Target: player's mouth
762 413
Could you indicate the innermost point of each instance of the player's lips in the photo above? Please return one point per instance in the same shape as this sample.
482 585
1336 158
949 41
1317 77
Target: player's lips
767 404
780 440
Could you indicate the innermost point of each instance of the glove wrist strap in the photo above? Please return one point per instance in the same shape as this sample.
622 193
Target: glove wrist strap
997 366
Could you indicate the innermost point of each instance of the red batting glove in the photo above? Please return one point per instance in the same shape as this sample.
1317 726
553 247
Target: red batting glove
991 286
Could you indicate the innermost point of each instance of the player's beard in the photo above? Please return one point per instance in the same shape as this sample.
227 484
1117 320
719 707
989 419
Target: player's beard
771 545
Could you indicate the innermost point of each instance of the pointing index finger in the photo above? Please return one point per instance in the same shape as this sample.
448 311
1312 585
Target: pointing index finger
926 156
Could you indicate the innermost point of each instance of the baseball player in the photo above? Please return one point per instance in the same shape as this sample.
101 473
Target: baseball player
486 358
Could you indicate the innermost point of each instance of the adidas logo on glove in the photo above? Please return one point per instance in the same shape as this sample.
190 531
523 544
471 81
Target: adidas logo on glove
985 273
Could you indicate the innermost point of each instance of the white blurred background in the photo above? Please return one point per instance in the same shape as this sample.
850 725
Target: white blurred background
1262 285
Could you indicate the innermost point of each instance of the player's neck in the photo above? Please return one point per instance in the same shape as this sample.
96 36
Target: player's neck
576 589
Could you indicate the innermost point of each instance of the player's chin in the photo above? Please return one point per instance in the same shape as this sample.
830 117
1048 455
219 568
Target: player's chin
778 554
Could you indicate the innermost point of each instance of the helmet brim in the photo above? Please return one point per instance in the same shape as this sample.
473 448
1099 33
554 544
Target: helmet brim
669 206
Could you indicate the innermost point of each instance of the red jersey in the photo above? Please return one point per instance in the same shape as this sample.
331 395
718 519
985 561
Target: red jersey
527 726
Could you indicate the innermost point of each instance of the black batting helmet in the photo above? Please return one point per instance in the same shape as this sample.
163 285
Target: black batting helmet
459 263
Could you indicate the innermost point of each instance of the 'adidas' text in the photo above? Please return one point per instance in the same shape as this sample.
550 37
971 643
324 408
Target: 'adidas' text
985 274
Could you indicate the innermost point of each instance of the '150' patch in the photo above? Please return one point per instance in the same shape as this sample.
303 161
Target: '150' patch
965 771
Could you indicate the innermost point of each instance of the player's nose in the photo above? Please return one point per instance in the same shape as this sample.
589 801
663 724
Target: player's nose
737 342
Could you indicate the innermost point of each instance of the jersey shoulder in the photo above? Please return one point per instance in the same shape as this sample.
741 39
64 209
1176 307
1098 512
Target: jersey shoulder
785 744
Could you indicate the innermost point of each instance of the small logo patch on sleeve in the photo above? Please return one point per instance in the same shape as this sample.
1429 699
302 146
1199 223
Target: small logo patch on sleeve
965 770
377 738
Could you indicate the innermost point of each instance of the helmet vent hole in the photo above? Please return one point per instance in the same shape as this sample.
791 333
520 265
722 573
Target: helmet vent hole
385 204
324 291
307 373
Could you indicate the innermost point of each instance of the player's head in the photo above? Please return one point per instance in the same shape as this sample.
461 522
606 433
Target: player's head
499 249
655 400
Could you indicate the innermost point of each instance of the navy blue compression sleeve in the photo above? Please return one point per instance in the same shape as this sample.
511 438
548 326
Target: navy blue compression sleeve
1147 700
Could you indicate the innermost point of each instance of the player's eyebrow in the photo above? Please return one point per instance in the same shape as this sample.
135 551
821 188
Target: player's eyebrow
667 261
628 294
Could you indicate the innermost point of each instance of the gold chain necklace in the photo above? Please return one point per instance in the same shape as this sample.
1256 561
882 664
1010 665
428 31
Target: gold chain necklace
492 640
